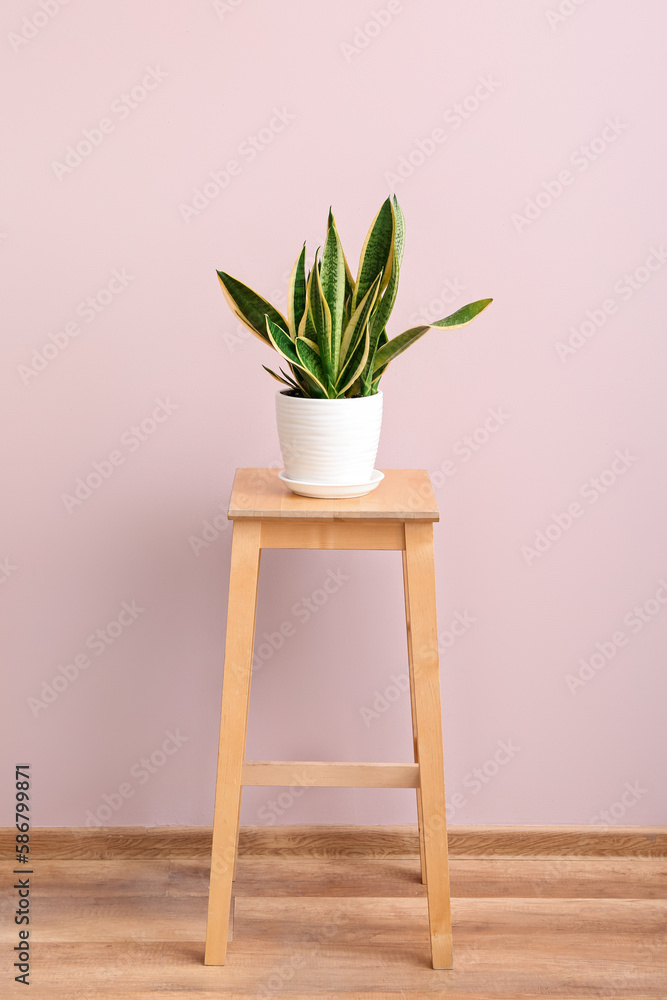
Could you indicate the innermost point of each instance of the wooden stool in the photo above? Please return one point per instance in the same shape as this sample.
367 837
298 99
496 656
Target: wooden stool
399 514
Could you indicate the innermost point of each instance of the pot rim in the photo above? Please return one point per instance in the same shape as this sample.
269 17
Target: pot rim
311 399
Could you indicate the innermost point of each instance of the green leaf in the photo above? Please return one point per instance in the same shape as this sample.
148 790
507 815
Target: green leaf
384 307
399 240
278 378
333 288
355 364
281 342
310 387
375 376
312 362
397 345
306 327
464 315
376 251
355 327
296 295
320 314
303 382
290 378
250 307
314 346
290 349
349 280
368 375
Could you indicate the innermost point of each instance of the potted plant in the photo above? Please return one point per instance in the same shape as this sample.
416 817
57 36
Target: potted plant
336 348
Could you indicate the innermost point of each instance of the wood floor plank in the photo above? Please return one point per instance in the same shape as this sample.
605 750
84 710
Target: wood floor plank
496 963
400 922
350 928
107 918
65 993
616 878
280 877
89 879
552 877
501 877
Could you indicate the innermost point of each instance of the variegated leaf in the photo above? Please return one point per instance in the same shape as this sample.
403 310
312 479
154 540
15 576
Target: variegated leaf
320 314
349 280
464 315
355 327
355 364
278 378
333 287
396 346
376 251
282 342
312 362
306 327
250 307
384 307
296 295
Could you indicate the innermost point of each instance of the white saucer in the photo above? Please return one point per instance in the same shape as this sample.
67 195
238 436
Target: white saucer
337 491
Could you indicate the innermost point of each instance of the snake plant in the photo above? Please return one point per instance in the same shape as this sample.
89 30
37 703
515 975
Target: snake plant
334 337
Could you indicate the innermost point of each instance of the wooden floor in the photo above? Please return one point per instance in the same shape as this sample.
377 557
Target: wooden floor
353 927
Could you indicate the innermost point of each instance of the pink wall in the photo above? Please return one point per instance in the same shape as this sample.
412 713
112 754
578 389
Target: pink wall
546 191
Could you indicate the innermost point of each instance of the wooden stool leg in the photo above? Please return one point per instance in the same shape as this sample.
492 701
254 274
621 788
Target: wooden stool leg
420 581
238 825
243 580
420 817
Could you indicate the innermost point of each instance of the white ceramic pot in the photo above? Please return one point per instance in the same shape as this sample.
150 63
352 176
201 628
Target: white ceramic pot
329 441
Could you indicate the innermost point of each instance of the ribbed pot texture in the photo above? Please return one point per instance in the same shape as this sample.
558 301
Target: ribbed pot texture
329 440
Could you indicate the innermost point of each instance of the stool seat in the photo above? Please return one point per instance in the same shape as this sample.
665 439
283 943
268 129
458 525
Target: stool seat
403 495
398 515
